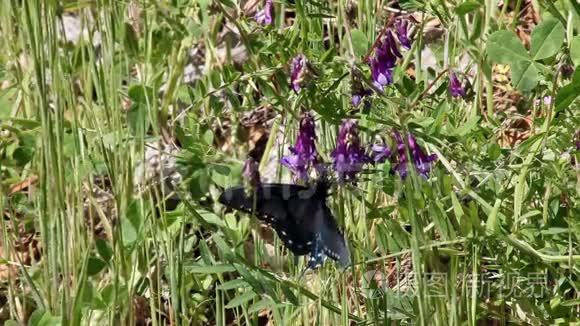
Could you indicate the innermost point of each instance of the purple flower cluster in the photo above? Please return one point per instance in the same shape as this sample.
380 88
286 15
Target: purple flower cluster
420 159
304 154
456 88
349 156
386 54
298 72
264 16
400 160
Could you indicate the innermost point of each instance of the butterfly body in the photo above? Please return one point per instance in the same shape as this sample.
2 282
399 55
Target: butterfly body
299 216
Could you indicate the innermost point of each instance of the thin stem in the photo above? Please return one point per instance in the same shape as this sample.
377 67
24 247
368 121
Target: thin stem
441 74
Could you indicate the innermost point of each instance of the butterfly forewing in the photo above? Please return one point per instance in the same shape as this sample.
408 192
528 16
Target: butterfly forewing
267 207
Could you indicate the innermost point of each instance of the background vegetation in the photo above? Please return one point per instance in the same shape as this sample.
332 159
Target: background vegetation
122 121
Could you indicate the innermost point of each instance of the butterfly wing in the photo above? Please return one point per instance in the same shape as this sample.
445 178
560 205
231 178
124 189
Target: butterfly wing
331 238
281 206
299 216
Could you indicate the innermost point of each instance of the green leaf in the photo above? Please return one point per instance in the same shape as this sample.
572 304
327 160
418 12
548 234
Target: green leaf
547 38
237 283
555 230
226 179
568 93
241 299
467 127
87 294
525 75
442 221
36 316
25 152
263 304
467 7
107 295
132 222
493 151
211 218
228 3
213 269
571 303
129 232
199 184
566 96
208 137
138 116
26 123
504 47
492 225
138 119
95 265
141 94
398 234
103 249
7 99
360 43
575 50
43 318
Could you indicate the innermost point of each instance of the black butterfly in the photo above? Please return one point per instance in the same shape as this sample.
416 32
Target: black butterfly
298 214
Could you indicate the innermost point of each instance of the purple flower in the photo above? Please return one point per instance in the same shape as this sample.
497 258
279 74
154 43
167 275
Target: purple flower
380 153
402 33
298 72
455 87
384 61
358 95
400 160
421 161
356 99
251 171
304 154
264 16
547 101
349 157
358 90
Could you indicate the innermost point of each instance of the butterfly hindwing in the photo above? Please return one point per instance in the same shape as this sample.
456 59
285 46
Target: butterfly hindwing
333 243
